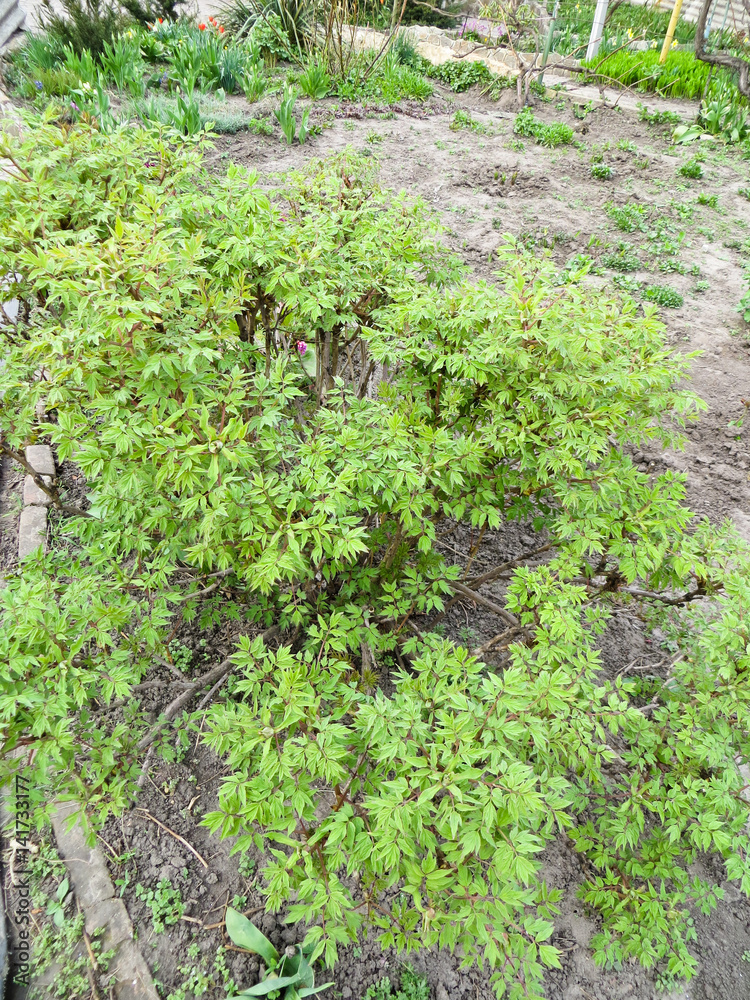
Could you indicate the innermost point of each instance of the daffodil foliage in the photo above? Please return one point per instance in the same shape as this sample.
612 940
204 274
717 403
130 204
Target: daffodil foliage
277 403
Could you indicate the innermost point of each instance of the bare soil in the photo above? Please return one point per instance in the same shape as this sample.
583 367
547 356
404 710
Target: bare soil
552 204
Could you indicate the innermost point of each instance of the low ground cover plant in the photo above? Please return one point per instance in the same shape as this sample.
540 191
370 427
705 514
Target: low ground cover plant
277 403
552 135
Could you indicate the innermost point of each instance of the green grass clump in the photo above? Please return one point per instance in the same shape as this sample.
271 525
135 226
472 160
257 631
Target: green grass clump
556 134
682 75
389 81
601 171
663 295
691 169
463 120
623 259
711 200
628 218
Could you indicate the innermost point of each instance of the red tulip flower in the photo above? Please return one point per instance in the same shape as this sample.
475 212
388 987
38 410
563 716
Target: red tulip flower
201 26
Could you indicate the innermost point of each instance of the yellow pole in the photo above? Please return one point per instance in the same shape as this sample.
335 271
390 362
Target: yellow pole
670 31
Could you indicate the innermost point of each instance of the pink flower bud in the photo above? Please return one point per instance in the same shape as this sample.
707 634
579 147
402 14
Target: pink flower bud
301 347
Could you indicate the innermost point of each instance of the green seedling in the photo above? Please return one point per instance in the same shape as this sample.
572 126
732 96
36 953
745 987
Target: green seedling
289 976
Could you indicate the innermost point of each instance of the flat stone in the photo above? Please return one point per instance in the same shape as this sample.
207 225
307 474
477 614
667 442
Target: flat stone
39 457
113 917
132 976
32 531
33 495
88 870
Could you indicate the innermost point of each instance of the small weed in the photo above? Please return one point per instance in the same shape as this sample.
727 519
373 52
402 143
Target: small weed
711 200
601 171
413 987
373 137
165 903
745 192
260 126
658 117
182 657
623 259
702 286
580 111
627 146
246 867
628 218
462 119
630 285
663 295
556 134
691 169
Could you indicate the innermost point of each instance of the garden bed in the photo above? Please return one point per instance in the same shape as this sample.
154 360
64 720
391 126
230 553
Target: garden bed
462 156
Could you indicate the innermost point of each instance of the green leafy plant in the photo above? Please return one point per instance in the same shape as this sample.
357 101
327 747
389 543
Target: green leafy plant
254 82
630 217
691 169
314 81
412 987
164 901
56 905
291 976
664 117
299 435
556 134
625 258
284 115
725 114
463 120
711 200
459 75
663 295
601 171
387 80
121 60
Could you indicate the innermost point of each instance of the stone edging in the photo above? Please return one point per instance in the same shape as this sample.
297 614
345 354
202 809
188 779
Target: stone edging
101 908
86 866
32 525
